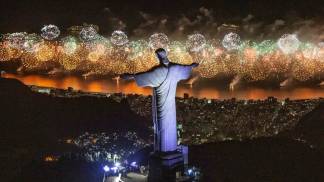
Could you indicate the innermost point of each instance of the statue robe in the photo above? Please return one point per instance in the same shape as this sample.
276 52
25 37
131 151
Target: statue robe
163 79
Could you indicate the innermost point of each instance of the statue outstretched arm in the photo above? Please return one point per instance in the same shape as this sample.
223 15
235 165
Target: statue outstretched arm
184 71
151 78
130 76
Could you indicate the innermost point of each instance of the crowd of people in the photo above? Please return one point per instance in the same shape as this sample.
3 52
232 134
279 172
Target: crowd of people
104 147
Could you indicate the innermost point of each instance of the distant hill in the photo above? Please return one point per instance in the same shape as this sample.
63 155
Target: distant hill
13 87
263 159
22 109
311 127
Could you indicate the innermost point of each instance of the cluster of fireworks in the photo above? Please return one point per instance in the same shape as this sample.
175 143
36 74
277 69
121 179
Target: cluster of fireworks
90 53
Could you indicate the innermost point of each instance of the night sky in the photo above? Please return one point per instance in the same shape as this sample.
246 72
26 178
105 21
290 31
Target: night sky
128 15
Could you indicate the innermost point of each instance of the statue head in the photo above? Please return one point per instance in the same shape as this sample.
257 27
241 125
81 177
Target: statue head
162 55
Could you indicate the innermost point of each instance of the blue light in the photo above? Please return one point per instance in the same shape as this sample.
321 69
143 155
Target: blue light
106 168
114 169
117 164
133 164
189 171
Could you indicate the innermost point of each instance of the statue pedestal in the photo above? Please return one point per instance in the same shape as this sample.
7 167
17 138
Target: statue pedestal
165 166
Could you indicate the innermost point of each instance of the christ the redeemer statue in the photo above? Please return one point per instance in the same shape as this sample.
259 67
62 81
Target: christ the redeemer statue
163 79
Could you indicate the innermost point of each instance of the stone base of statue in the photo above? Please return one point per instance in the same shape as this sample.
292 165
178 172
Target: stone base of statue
165 166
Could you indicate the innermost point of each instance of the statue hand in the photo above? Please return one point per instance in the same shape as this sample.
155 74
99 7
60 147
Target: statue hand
194 65
127 76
